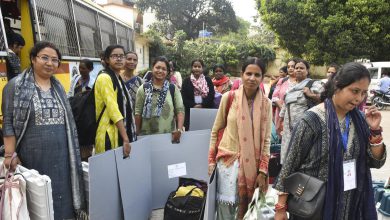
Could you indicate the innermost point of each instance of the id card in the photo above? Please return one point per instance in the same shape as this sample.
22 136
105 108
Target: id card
349 168
198 99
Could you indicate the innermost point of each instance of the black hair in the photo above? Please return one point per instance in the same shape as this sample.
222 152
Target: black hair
218 66
42 45
198 60
292 59
256 61
304 62
334 65
109 49
174 65
162 59
283 69
88 63
348 74
15 38
131 52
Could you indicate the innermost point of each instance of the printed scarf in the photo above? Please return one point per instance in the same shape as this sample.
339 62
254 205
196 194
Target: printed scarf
24 92
200 86
251 134
149 89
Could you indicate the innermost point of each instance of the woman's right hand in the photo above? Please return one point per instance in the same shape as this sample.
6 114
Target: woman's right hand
211 169
11 166
281 215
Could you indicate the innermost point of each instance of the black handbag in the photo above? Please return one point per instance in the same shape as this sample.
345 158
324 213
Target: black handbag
306 195
186 207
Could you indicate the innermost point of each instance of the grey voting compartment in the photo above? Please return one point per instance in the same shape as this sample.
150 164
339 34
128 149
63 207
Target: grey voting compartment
201 118
142 182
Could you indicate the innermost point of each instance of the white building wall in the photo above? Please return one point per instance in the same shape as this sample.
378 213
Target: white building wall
142 50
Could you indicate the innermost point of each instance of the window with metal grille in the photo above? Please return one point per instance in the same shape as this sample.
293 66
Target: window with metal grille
57 26
107 31
88 28
122 36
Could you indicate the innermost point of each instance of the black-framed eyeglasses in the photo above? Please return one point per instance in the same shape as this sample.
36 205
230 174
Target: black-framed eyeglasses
118 56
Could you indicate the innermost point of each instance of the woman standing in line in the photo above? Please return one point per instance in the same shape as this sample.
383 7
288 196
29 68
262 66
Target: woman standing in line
241 159
156 110
81 82
221 82
282 86
332 137
296 102
39 127
113 103
132 82
197 91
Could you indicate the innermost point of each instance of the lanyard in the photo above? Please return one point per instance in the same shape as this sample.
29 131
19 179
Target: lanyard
345 134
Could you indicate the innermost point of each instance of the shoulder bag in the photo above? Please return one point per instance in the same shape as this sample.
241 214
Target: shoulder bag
306 195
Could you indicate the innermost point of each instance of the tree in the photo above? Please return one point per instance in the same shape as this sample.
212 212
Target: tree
190 16
330 31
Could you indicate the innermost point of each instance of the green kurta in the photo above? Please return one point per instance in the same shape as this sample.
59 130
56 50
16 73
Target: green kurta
166 122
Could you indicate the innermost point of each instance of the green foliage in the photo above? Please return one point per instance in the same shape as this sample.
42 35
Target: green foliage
217 15
330 31
229 50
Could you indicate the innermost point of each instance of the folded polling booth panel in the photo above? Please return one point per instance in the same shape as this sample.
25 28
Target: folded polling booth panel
132 188
202 118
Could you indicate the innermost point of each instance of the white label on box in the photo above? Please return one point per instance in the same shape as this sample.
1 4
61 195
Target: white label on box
177 170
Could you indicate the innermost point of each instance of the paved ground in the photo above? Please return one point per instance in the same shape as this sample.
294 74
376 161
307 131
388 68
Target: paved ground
377 174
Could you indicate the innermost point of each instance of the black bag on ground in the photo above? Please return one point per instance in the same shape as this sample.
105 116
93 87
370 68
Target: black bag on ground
186 207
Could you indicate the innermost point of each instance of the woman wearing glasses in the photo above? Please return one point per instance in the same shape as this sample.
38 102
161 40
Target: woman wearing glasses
113 106
39 127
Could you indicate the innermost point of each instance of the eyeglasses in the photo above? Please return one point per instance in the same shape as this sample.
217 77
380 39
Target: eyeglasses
117 56
47 59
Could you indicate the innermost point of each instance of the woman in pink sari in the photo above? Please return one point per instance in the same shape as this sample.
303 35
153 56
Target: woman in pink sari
280 91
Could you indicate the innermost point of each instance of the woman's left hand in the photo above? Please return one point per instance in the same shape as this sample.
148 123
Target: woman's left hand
262 182
373 117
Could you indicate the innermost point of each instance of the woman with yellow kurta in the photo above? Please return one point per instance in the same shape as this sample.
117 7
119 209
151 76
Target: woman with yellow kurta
116 126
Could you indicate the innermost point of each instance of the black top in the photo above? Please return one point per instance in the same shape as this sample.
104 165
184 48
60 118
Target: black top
187 93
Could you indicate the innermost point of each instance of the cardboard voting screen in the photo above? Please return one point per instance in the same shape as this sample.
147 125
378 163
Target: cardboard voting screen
201 118
192 151
104 195
144 181
135 182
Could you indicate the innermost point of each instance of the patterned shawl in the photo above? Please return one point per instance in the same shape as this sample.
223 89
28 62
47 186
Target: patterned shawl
149 88
222 85
364 196
200 85
251 134
24 91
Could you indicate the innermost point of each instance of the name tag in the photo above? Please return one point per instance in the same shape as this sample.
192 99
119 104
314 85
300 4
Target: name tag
198 99
349 168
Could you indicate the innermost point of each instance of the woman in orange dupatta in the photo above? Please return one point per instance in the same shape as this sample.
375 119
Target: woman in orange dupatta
221 82
241 158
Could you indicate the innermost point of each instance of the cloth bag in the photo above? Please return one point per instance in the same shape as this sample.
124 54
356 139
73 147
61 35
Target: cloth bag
258 208
306 195
13 203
